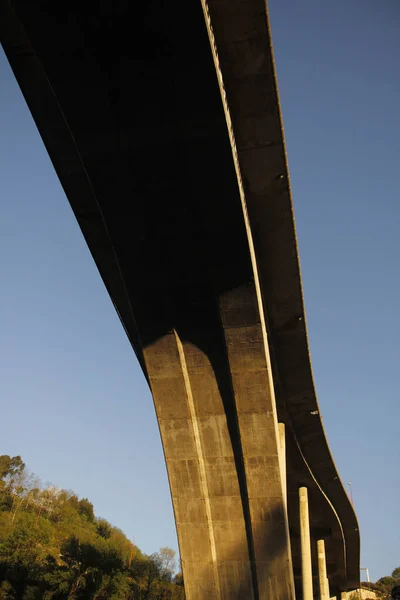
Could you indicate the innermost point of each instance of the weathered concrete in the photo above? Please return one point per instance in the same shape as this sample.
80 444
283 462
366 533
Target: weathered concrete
185 204
282 450
306 562
221 448
322 578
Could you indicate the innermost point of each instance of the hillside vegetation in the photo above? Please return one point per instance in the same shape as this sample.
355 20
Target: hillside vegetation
384 585
53 547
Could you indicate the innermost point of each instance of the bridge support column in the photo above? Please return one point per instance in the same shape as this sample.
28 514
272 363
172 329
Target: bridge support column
282 459
222 446
323 580
306 564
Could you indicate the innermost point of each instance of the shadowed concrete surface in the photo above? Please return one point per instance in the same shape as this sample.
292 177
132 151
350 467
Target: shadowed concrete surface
184 201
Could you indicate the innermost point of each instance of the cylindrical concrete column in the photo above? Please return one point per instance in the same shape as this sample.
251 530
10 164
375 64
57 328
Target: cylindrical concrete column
282 468
323 580
306 563
282 458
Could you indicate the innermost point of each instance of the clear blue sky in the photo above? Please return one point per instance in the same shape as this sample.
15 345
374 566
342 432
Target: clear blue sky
74 402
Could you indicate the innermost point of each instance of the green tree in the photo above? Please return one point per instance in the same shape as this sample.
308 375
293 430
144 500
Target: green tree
178 579
10 466
114 587
396 574
6 591
104 529
23 552
384 586
85 508
11 477
52 547
92 567
167 562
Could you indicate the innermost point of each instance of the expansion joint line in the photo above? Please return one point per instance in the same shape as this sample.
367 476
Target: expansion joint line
200 456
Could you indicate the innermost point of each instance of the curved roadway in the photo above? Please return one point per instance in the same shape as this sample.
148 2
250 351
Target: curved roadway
177 208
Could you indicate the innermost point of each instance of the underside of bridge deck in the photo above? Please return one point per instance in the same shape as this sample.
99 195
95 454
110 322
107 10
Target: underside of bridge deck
163 124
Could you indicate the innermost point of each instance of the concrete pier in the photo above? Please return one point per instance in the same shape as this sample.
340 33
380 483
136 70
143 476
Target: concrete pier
306 564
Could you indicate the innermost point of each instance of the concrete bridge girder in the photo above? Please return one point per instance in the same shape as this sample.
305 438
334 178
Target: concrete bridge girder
138 136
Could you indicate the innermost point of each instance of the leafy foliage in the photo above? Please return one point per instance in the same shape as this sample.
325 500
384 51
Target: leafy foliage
53 547
383 587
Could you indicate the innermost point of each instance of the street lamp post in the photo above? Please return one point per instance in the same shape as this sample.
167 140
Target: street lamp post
351 492
367 573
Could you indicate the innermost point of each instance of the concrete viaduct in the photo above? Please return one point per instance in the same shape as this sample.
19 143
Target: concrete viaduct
162 121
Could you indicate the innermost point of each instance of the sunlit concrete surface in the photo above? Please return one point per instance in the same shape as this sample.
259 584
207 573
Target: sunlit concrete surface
162 121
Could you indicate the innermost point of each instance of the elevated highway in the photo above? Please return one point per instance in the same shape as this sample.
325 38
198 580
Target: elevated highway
163 123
